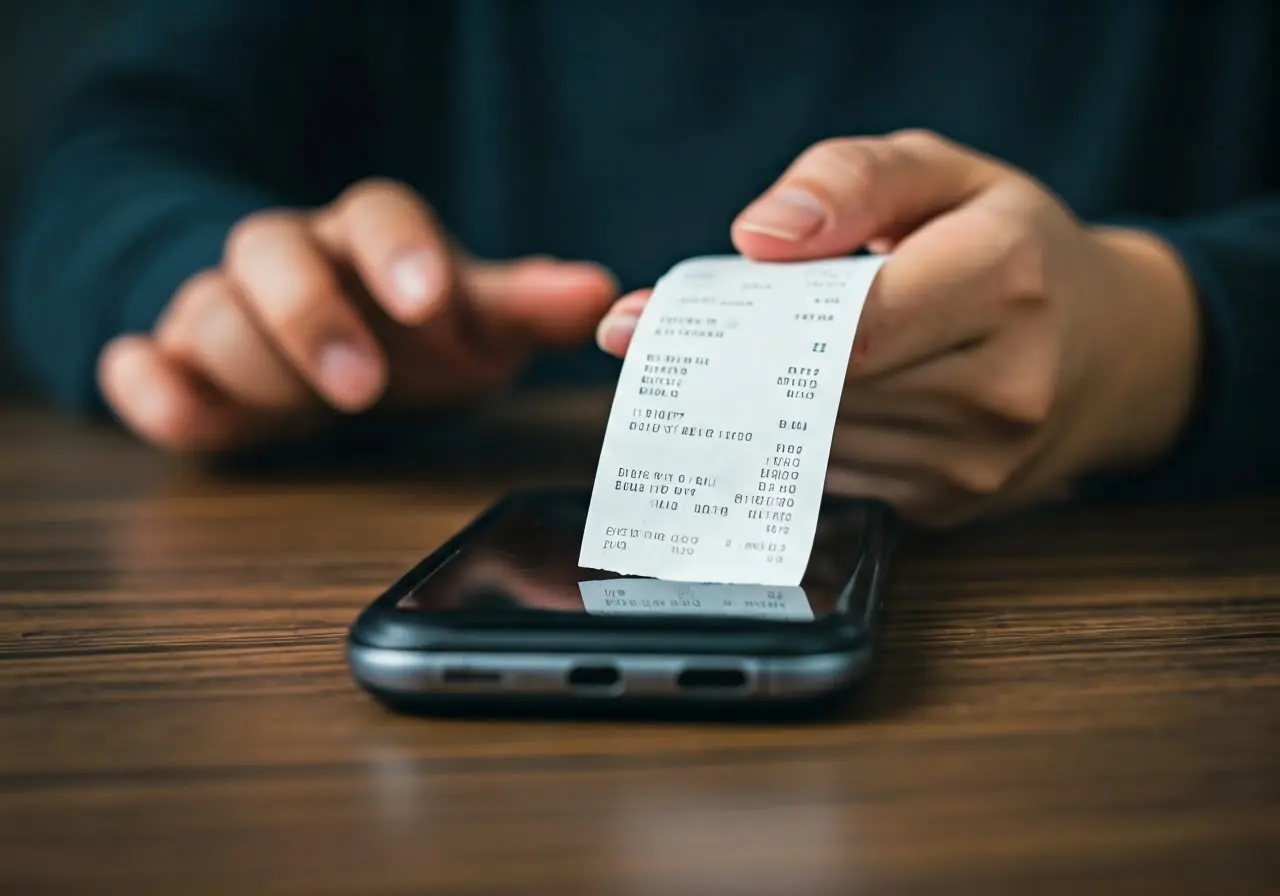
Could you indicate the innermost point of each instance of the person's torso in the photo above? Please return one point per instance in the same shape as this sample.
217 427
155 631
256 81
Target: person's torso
631 133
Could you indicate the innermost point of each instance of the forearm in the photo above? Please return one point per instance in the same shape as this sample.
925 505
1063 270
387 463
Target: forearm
1229 437
153 157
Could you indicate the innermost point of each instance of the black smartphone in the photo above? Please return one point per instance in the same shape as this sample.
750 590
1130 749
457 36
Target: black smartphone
502 616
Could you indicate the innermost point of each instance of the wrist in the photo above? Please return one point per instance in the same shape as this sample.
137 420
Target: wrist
1151 369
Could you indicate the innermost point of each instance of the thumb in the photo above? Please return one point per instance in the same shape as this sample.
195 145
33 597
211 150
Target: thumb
840 194
542 300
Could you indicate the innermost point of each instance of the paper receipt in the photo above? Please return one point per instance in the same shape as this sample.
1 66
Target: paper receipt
715 454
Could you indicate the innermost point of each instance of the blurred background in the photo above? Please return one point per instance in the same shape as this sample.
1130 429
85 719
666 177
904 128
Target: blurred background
39 43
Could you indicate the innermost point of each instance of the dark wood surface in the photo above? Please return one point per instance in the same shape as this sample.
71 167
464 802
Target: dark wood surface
1082 701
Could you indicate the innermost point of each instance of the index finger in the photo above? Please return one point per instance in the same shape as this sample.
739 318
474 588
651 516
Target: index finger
396 246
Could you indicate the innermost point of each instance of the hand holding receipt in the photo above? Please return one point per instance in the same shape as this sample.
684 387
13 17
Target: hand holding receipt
715 455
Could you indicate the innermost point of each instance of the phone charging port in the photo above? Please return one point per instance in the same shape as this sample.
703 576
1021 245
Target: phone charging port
711 679
594 676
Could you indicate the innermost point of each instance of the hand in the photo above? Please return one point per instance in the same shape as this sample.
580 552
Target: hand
314 314
1005 349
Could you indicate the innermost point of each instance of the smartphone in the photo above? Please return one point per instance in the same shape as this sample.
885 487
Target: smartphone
502 616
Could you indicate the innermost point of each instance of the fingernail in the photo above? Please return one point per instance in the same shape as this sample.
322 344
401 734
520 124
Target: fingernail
415 280
615 330
790 214
350 374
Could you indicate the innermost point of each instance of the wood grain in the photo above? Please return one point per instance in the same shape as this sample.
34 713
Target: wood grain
1086 700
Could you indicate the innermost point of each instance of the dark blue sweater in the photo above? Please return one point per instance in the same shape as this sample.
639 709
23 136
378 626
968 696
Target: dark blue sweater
632 132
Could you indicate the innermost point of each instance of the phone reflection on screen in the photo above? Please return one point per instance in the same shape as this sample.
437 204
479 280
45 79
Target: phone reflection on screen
634 597
526 560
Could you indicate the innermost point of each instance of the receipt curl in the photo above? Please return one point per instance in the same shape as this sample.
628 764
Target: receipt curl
715 454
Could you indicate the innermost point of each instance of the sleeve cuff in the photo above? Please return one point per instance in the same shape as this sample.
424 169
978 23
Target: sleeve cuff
162 228
1224 448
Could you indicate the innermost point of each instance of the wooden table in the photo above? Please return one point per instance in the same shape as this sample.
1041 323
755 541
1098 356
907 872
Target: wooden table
1084 701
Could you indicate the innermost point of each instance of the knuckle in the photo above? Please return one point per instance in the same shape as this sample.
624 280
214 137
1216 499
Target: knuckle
202 296
291 291
299 303
251 231
977 476
1000 229
1013 250
204 286
370 190
1026 400
847 171
863 165
1024 263
851 163
827 147
918 139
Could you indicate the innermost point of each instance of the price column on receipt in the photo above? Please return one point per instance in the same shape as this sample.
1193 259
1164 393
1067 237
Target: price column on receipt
716 450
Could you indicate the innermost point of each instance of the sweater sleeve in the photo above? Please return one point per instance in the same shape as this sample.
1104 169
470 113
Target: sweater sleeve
195 115
1232 442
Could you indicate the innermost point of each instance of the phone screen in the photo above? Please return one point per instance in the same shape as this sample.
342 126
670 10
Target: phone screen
525 559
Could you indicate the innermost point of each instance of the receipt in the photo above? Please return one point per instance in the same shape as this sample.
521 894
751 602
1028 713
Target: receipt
716 449
637 597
